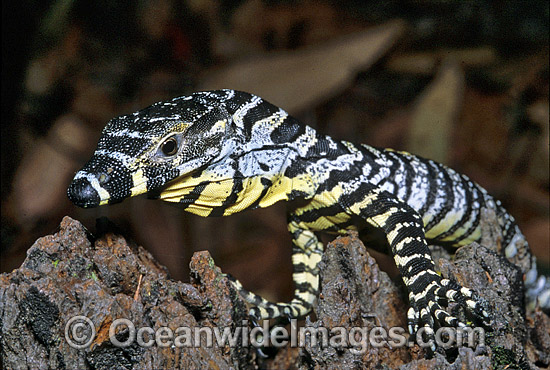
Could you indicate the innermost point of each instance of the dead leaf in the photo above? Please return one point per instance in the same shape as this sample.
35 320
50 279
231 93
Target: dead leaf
303 78
436 113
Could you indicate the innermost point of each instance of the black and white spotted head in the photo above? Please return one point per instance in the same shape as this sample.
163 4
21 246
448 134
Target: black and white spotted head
144 151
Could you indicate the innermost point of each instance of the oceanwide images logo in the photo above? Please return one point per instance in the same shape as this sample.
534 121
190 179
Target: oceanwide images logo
80 333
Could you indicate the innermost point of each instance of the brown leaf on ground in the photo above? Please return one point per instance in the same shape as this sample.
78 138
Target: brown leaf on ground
322 71
436 113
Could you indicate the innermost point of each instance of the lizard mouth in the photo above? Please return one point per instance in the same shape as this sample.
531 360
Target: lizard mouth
189 199
179 190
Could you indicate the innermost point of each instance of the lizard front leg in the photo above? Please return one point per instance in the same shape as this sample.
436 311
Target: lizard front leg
306 255
405 233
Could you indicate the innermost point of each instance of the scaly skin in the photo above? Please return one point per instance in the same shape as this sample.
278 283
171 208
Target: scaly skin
222 152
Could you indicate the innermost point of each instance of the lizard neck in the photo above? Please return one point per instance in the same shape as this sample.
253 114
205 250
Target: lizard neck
276 153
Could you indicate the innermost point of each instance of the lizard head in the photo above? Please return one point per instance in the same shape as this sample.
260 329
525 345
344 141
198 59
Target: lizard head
142 152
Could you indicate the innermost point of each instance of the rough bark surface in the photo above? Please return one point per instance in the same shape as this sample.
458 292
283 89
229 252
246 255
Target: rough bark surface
66 275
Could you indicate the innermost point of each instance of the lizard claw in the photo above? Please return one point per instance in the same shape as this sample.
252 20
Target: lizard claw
254 316
426 313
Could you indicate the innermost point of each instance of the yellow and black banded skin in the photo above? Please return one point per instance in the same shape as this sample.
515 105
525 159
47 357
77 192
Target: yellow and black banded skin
221 152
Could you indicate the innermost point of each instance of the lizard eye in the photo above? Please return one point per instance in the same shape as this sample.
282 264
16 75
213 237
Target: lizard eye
169 147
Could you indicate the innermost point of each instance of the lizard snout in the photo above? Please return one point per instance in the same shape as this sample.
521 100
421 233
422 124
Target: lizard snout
82 193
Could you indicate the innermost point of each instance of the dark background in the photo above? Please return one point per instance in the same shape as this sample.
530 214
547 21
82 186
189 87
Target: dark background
476 72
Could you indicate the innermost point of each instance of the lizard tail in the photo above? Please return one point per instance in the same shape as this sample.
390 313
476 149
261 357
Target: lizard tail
537 289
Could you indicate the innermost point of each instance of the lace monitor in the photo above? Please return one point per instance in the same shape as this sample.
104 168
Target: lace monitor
221 152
